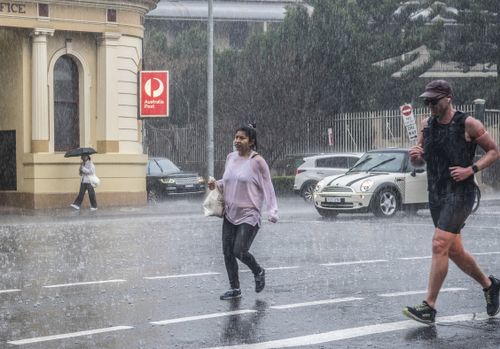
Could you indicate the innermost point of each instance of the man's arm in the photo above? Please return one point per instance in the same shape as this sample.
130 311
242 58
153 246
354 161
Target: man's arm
475 131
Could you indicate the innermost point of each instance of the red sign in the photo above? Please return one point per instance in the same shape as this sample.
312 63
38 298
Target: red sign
154 94
406 110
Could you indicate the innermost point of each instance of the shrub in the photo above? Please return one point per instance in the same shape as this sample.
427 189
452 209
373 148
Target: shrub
283 185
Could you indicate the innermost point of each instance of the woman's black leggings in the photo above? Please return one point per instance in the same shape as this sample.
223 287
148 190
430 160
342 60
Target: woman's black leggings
86 187
236 241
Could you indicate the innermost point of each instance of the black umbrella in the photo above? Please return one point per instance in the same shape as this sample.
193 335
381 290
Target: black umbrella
79 152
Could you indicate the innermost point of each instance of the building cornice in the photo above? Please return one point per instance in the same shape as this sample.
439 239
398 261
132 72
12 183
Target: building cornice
137 5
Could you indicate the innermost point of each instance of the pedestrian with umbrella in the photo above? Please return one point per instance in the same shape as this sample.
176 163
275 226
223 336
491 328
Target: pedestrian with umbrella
86 171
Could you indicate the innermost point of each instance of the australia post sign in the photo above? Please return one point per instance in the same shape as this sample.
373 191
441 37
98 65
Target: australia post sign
154 94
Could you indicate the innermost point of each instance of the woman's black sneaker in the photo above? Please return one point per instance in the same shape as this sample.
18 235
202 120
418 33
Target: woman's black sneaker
491 294
422 313
260 281
231 294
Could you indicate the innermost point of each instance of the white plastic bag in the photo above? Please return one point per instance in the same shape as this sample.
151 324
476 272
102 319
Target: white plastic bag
94 180
213 205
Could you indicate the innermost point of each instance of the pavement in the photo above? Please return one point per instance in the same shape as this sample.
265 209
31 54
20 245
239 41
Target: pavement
489 198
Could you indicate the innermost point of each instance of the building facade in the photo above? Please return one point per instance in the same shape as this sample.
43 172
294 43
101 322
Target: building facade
69 79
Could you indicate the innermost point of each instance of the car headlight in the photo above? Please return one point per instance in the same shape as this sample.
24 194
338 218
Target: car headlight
201 180
319 186
366 185
167 180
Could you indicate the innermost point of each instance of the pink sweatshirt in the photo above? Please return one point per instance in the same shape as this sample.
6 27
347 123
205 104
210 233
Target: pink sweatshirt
246 185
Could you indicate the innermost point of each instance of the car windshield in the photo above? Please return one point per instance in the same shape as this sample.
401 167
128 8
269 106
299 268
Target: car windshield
380 162
162 166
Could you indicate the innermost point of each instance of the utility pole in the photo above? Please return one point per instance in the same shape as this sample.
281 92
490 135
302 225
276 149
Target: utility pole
210 91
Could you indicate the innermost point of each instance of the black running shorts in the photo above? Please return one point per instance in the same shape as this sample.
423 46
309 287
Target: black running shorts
450 210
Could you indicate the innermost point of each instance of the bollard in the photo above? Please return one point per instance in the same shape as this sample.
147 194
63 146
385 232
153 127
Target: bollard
479 107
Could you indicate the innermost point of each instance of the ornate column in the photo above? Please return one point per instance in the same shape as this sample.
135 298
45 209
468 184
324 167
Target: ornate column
40 91
107 93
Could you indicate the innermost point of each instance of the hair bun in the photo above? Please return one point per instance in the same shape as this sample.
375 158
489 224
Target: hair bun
252 125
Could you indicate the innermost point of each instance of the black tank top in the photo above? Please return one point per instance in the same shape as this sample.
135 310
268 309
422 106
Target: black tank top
445 146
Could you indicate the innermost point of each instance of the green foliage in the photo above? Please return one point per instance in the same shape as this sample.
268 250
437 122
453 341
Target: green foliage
311 67
283 185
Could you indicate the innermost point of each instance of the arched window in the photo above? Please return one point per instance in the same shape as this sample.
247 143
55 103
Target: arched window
66 105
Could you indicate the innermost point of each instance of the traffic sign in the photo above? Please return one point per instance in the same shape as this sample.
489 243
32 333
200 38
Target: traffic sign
409 121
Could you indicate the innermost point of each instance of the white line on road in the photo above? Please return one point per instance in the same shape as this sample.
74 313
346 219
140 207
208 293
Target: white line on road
179 276
85 283
407 293
283 268
202 317
69 335
484 253
10 291
354 262
307 304
413 258
274 268
348 333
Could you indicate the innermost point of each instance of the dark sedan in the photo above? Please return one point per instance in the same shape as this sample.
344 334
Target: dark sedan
163 178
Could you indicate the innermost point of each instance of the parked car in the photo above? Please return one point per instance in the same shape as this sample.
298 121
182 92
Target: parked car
289 164
163 178
315 168
382 181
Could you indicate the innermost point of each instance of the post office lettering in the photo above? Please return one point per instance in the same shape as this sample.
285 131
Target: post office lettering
9 7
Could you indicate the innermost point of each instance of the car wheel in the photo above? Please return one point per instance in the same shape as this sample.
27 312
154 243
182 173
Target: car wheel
385 203
307 191
477 198
326 213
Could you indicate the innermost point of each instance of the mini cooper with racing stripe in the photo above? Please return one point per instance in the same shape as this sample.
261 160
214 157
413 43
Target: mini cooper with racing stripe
383 182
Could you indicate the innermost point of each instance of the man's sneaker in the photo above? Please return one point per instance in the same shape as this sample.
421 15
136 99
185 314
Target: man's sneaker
422 313
260 281
75 206
93 208
231 294
491 295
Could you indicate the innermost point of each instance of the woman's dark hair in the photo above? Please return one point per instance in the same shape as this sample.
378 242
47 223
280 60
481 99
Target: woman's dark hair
251 134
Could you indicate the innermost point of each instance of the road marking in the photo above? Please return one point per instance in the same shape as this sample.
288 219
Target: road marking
85 283
284 268
414 258
10 291
429 257
275 268
348 333
202 317
354 262
407 293
307 304
179 276
69 335
484 253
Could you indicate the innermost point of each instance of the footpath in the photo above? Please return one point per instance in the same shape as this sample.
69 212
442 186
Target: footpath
490 200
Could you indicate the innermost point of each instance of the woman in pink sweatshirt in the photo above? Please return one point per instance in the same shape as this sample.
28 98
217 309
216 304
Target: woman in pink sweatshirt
246 186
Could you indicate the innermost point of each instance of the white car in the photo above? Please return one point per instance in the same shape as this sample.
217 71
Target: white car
382 181
316 167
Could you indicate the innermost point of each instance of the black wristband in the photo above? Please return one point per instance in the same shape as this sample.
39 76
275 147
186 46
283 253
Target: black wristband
475 169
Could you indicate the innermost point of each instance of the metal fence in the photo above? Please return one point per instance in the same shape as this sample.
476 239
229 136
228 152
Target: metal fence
352 132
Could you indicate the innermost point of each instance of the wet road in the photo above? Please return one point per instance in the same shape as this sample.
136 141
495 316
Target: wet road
151 278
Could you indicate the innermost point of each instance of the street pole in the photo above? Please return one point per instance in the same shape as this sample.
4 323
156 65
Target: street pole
210 91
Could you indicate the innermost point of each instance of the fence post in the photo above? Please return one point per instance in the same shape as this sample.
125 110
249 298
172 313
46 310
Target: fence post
479 106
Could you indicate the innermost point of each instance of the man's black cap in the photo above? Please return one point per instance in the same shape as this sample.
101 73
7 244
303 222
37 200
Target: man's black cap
437 89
